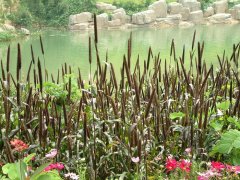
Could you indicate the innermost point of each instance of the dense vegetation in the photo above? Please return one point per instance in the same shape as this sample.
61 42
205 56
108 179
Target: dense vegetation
130 6
56 12
45 12
162 120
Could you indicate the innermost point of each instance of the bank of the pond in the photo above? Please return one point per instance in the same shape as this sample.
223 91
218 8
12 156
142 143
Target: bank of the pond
160 14
9 32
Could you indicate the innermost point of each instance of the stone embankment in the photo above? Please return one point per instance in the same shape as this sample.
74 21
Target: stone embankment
184 13
7 27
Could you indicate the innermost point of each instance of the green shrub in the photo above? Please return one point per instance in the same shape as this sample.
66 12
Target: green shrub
22 17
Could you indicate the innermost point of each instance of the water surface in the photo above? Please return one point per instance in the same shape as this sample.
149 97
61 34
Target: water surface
72 47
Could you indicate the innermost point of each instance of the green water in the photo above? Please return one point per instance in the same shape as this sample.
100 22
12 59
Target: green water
72 47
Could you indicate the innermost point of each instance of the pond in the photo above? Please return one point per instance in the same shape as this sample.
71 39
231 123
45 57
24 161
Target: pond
72 47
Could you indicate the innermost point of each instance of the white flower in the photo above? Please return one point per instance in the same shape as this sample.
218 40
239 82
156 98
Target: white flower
72 176
135 159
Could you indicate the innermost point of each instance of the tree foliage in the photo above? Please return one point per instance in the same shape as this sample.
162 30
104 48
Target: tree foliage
49 12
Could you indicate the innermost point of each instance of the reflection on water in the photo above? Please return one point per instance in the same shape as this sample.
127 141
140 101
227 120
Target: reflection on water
72 47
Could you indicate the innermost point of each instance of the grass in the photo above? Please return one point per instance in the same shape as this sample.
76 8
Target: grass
6 36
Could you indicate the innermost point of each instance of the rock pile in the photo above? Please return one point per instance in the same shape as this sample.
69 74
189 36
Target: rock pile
184 13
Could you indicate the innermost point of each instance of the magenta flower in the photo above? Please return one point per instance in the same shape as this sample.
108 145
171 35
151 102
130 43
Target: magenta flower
57 166
218 166
171 164
52 153
185 165
135 159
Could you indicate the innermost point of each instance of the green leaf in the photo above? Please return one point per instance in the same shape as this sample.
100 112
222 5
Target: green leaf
6 168
176 115
217 126
223 105
228 141
39 170
234 121
21 170
123 175
53 175
235 157
29 158
3 177
10 170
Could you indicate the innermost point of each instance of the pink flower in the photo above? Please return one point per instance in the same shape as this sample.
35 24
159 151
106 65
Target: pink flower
234 169
185 165
135 159
202 178
188 150
18 145
57 166
217 166
208 175
171 164
51 154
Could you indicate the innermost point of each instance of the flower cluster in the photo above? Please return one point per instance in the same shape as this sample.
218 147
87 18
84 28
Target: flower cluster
18 145
216 168
57 166
72 176
172 164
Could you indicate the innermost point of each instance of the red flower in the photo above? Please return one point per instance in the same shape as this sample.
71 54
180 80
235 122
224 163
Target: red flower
217 166
18 145
185 165
171 164
57 166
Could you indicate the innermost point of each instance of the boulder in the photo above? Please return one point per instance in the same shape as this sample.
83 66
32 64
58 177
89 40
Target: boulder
196 17
102 20
25 31
8 27
72 20
174 8
208 12
237 12
193 5
220 18
128 19
220 6
169 21
144 17
119 14
185 13
185 24
160 8
114 23
81 26
80 18
105 7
